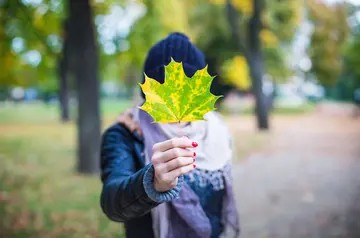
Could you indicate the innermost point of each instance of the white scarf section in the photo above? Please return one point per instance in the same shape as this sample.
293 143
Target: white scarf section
214 148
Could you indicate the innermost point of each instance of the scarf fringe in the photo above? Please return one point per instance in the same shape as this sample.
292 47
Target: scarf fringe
216 178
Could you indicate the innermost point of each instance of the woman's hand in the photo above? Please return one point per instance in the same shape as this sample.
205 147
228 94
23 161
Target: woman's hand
172 158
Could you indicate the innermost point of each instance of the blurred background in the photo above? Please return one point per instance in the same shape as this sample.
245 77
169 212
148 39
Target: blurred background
289 71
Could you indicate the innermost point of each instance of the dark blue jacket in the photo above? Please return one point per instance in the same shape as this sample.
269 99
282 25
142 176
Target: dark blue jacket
123 197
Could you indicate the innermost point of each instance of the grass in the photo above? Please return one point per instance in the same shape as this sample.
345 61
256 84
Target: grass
41 195
36 113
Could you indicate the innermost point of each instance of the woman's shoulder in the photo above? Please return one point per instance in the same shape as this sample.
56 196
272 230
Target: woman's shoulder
216 117
117 133
117 128
217 123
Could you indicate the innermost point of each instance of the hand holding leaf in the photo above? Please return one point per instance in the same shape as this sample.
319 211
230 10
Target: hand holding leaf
178 99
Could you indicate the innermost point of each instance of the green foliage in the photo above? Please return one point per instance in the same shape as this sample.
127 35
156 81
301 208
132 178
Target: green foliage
349 80
281 20
218 42
179 98
352 54
161 18
327 40
352 59
283 17
31 41
39 27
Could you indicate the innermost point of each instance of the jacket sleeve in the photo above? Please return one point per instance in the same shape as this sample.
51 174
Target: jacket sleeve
127 193
123 196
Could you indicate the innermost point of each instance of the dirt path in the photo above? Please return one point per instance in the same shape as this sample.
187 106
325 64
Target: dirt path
305 183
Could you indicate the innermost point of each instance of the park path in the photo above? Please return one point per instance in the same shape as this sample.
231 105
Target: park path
305 182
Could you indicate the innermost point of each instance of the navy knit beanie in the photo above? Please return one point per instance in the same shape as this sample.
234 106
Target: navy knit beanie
176 46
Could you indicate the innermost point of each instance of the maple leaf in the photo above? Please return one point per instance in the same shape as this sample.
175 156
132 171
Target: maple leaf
179 98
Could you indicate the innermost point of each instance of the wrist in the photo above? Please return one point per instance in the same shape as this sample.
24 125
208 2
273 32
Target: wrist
164 187
159 197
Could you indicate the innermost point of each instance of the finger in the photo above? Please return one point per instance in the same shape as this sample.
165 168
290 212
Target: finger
175 152
182 142
162 168
178 162
180 171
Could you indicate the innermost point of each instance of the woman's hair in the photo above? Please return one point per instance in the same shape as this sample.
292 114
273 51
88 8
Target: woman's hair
177 46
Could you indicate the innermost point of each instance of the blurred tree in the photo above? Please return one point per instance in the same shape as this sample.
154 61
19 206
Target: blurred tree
63 74
31 43
350 78
259 32
84 57
352 58
35 41
327 40
25 38
255 59
279 23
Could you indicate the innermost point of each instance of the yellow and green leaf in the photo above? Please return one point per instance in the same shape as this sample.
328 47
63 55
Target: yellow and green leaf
179 98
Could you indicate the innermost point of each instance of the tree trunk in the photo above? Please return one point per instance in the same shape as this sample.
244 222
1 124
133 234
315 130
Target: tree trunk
63 91
261 107
63 67
83 50
253 55
255 60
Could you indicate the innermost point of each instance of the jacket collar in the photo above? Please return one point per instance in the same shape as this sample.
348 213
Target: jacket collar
138 137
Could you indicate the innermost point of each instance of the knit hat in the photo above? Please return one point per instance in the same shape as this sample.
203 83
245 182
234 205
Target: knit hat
176 46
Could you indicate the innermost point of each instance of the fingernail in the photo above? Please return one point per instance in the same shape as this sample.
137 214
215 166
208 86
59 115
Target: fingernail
194 144
194 153
193 160
194 166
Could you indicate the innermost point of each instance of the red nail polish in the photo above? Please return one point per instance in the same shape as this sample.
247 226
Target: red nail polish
194 144
194 153
193 160
194 166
